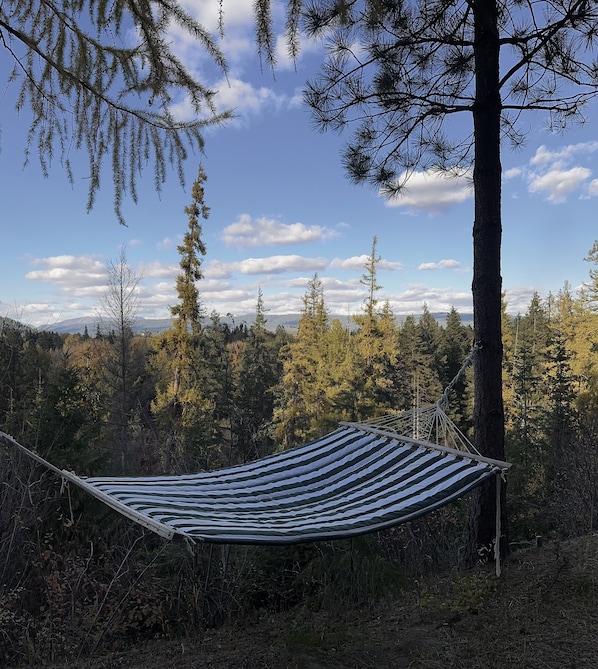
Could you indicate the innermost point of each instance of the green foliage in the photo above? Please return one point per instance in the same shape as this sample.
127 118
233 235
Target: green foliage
304 409
257 374
188 312
189 362
547 363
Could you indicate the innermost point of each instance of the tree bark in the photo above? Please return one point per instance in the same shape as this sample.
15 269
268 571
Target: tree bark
487 282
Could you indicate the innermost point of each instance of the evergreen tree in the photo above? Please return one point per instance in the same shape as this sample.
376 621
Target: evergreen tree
378 377
188 312
303 411
69 419
370 281
24 369
430 337
527 382
454 349
257 378
375 379
528 359
101 77
413 361
341 365
560 412
591 288
570 503
419 349
419 64
184 405
577 324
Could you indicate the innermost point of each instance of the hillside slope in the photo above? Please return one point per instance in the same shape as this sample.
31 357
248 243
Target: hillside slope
541 614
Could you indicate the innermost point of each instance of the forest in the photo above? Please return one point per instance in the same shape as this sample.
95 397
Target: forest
206 394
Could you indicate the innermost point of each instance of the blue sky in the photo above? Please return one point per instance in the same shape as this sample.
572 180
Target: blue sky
282 209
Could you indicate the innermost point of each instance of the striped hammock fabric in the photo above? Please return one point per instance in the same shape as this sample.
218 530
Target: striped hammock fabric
356 480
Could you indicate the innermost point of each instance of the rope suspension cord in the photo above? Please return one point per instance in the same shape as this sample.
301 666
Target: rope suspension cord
442 405
443 400
499 478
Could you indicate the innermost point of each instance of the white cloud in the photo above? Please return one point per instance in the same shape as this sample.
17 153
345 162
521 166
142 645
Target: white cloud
329 283
76 274
443 264
280 264
158 270
554 175
441 300
277 264
238 38
166 243
236 13
432 192
307 47
240 97
512 173
358 263
218 269
518 299
238 41
247 232
557 184
243 98
353 263
544 156
238 44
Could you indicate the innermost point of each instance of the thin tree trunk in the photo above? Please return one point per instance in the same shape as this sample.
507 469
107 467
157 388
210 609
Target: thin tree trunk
487 283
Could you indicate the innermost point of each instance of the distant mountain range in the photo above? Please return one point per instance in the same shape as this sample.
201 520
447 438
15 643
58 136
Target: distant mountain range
273 321
148 325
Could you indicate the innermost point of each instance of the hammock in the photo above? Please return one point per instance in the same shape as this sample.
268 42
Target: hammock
361 478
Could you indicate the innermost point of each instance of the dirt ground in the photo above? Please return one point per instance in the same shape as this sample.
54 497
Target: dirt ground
289 642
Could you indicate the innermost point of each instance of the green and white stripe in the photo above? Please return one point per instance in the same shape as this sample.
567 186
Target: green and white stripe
356 480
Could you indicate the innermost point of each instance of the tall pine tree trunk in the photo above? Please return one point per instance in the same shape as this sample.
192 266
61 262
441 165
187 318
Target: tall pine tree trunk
487 282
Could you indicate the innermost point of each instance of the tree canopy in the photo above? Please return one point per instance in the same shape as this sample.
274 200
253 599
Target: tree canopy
398 71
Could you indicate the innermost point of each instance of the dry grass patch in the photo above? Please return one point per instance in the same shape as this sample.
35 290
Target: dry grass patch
542 614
